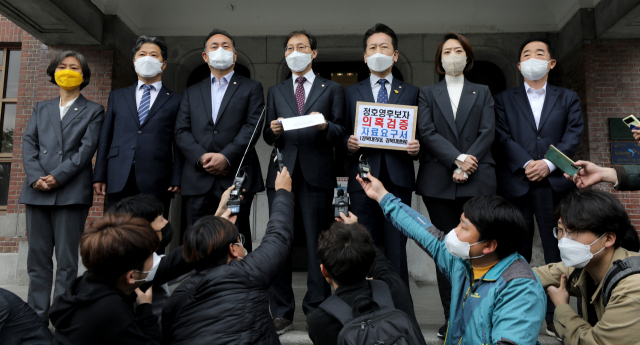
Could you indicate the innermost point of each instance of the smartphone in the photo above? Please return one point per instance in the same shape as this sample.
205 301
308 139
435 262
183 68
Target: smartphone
632 122
561 161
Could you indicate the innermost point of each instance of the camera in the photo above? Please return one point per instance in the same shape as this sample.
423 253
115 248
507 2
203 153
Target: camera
235 197
341 204
364 168
277 159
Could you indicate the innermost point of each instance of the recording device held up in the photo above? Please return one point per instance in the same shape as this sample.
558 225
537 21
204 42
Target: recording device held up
236 194
277 159
364 168
341 203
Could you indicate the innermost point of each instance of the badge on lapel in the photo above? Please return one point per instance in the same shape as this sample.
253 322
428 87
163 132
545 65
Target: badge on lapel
396 91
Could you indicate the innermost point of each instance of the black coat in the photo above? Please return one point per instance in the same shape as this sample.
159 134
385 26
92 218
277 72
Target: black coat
19 324
151 145
443 139
92 312
324 328
230 303
519 141
314 148
196 134
399 163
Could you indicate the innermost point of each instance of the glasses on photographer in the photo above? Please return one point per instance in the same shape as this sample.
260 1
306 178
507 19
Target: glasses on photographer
241 240
299 48
559 232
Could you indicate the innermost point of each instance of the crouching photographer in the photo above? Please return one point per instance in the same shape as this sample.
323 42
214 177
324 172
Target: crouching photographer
227 300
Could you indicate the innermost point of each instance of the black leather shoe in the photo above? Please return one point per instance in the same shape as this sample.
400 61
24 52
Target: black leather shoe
282 325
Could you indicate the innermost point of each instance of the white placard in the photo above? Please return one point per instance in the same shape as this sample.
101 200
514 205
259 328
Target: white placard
304 121
385 126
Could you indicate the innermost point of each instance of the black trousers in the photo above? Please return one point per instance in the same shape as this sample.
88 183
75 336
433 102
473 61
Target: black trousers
131 189
50 227
206 204
445 215
314 207
382 231
540 202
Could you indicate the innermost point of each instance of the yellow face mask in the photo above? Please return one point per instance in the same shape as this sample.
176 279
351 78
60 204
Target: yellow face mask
68 79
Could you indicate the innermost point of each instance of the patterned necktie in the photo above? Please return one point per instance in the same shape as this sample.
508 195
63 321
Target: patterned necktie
300 93
145 103
383 97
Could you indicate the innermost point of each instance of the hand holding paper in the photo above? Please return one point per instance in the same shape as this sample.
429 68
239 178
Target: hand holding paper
304 121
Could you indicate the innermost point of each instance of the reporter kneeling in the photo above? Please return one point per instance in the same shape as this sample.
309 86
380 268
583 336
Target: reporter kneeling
98 306
593 231
227 300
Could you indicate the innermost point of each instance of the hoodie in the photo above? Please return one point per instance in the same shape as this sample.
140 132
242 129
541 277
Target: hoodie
93 312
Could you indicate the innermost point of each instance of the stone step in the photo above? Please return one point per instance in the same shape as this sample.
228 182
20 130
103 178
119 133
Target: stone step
430 337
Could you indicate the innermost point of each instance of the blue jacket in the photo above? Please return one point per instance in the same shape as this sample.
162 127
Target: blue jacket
505 306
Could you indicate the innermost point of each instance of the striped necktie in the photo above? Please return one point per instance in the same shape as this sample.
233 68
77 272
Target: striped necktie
145 103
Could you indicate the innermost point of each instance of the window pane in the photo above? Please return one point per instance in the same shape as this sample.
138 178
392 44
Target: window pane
1 55
5 174
8 124
13 71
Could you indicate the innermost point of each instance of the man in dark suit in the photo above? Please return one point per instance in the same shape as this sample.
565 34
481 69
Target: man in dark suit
393 167
216 121
529 119
308 152
58 145
136 152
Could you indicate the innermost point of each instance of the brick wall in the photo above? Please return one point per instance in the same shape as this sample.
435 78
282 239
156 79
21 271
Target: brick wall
612 89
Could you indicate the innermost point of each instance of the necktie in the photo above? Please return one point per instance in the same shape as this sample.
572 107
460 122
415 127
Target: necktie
145 103
383 97
300 94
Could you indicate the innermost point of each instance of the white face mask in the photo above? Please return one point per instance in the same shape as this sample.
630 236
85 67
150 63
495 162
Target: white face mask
148 66
245 251
297 61
379 62
152 272
534 69
576 254
454 64
220 59
459 248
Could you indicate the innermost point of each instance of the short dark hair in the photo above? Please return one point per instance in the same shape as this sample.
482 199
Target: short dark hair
142 205
550 47
115 244
497 219
219 32
466 45
57 60
347 252
599 212
151 39
313 42
380 28
207 241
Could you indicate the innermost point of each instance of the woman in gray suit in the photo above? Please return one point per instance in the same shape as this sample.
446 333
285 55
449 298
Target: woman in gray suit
58 145
456 125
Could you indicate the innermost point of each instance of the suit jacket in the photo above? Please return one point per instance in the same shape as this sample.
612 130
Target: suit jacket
399 163
443 139
63 149
196 134
518 140
314 148
158 161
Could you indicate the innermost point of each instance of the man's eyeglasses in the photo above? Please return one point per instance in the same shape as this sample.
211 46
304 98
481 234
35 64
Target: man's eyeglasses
241 236
300 48
559 232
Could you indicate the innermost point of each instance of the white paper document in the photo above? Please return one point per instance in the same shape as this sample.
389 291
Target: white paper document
304 121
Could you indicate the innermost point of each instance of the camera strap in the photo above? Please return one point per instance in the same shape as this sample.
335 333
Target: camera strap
250 140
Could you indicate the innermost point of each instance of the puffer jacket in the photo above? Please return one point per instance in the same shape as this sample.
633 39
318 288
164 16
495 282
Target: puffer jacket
230 304
617 323
506 306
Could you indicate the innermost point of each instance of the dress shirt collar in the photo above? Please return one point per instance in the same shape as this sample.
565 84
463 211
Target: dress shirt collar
227 77
157 85
451 80
542 91
374 79
310 76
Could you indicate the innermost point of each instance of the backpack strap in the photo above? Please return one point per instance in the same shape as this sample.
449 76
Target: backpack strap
574 275
620 270
381 294
337 308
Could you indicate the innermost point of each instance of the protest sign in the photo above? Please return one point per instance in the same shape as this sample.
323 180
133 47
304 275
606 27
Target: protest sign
385 126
